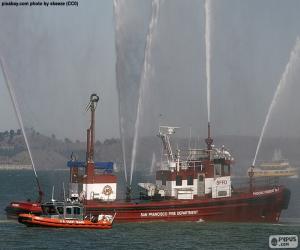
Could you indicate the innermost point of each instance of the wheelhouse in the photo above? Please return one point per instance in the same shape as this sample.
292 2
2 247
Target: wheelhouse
64 210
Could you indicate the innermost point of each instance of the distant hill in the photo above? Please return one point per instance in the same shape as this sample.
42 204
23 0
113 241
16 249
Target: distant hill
49 152
52 153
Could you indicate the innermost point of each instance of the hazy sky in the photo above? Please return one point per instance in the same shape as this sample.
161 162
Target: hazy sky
57 56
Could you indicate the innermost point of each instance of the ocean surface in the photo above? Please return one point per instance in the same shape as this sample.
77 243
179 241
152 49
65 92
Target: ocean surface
20 185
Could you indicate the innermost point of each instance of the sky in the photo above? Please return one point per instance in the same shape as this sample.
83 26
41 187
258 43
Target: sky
57 56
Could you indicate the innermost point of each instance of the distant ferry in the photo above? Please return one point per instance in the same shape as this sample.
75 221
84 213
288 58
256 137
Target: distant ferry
280 168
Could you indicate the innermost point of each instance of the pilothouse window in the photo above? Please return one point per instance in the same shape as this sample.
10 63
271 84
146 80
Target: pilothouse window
178 180
76 210
69 210
226 171
217 170
201 178
60 210
163 180
50 210
190 180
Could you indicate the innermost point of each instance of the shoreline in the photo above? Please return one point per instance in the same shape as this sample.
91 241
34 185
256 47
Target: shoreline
15 167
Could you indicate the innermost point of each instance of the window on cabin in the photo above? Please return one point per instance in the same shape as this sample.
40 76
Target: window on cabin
60 210
163 180
222 193
51 210
217 170
201 178
190 180
178 180
76 210
69 210
226 170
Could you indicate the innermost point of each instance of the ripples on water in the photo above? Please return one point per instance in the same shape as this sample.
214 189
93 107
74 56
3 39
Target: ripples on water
189 235
145 236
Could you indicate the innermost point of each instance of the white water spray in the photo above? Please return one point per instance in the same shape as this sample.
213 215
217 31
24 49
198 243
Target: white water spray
117 6
123 145
208 52
18 114
144 78
153 162
295 54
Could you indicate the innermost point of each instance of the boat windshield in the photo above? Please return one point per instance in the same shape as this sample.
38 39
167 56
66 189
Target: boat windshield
73 212
49 210
60 210
63 210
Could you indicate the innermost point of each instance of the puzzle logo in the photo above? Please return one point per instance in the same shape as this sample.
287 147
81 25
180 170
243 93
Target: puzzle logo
283 241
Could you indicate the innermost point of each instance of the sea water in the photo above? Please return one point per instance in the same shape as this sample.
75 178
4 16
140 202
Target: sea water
16 185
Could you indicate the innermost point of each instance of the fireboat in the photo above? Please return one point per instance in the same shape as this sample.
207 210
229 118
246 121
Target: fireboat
190 186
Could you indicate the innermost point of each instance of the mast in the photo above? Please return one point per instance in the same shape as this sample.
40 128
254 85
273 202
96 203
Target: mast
91 131
88 134
94 98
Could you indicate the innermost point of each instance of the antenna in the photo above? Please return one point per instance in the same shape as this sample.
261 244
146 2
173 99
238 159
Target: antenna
64 191
52 198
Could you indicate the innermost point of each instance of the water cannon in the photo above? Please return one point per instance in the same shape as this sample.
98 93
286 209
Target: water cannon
209 141
94 99
251 174
128 193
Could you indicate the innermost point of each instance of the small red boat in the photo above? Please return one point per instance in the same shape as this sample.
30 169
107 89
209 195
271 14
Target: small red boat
18 207
66 215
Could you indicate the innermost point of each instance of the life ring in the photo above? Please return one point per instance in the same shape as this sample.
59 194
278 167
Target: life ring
107 190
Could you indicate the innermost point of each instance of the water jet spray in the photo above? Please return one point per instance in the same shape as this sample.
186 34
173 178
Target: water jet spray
144 80
20 121
283 81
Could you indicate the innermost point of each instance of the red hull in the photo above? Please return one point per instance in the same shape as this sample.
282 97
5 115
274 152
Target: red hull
260 206
18 207
34 221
